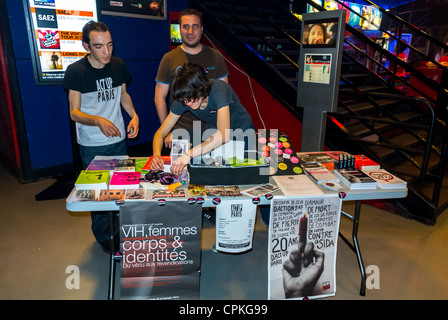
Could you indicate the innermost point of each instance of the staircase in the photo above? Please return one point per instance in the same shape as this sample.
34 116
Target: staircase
406 134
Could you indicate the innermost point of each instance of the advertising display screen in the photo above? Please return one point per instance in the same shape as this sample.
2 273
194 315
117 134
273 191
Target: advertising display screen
320 33
56 35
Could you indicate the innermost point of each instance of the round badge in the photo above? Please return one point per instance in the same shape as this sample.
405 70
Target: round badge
216 201
262 140
294 159
283 139
256 200
154 5
269 196
272 139
191 200
286 144
200 200
265 148
161 202
282 166
297 170
288 151
278 152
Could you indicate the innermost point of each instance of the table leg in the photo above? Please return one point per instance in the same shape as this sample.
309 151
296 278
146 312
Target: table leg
112 258
355 246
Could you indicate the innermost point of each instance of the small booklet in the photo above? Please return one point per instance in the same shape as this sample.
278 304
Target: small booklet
261 190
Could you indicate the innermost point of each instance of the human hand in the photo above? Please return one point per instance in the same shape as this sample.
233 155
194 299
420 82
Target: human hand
179 164
133 128
168 140
108 128
302 270
157 163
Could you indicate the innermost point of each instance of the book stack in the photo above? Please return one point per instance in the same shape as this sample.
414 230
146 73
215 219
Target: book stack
364 163
355 179
319 173
385 179
92 180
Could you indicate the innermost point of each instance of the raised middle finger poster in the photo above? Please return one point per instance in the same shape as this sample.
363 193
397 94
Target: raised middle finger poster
303 234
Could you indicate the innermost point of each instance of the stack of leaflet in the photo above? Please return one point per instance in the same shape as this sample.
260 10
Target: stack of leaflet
355 179
92 180
385 179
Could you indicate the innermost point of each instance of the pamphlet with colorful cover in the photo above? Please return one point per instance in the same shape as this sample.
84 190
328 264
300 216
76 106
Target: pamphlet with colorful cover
92 179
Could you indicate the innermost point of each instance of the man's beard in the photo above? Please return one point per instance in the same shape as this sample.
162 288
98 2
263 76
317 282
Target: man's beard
192 45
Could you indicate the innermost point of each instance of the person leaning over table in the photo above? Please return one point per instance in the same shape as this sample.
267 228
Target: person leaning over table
191 50
214 102
96 87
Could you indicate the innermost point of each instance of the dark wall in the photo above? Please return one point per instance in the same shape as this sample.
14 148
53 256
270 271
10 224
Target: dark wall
140 42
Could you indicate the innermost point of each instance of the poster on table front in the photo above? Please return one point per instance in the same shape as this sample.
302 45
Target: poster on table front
303 234
235 222
161 248
56 35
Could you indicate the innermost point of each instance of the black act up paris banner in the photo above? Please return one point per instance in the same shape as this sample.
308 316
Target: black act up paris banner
161 248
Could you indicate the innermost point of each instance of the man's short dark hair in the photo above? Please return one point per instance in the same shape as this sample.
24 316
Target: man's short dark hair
191 83
190 12
92 26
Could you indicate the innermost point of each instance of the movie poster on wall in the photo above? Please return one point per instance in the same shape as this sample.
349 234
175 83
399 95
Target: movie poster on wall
303 234
56 35
161 248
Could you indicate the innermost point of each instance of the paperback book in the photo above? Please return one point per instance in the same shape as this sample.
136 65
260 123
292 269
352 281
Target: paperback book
111 195
385 179
355 179
92 179
223 191
102 164
135 194
319 173
125 180
125 165
179 193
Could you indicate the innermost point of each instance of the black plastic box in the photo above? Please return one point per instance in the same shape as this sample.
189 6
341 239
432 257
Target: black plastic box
226 175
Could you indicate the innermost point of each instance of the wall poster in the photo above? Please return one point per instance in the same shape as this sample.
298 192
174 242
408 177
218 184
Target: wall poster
303 234
55 35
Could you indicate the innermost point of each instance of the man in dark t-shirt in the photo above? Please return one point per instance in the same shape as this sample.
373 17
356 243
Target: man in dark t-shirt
193 51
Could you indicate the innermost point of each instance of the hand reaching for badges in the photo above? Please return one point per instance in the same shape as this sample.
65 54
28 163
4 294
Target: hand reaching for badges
302 270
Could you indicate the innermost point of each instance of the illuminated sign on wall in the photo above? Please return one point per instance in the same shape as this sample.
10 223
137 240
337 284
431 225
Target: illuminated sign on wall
366 17
55 35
